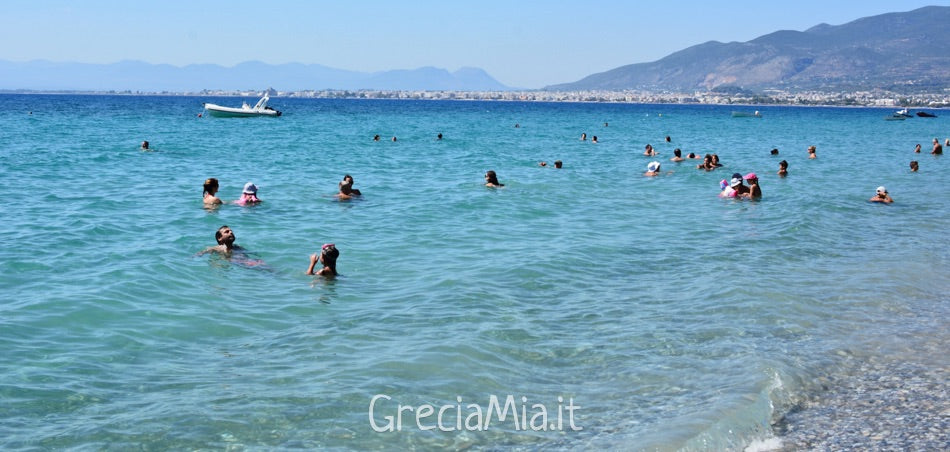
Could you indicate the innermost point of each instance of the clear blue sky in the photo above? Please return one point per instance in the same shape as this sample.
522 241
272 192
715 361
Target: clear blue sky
522 43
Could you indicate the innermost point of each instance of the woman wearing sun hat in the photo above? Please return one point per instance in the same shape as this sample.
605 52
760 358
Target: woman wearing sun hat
653 169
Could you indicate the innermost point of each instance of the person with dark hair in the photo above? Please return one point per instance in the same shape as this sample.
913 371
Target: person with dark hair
225 238
649 151
917 149
210 188
558 164
677 155
347 179
774 151
707 163
914 166
938 149
328 255
783 168
491 179
811 152
145 146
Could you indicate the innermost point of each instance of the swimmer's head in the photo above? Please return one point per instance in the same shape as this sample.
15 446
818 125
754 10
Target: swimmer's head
224 235
653 166
211 185
881 190
677 152
250 189
328 255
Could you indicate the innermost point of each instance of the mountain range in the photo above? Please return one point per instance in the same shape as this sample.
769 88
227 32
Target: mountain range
909 51
139 76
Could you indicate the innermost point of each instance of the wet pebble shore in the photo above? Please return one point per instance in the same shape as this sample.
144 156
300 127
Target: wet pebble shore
883 406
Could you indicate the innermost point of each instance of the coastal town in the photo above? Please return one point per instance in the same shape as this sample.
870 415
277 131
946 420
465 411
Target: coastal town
870 98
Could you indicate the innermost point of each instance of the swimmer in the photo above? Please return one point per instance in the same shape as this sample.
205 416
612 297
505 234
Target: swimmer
913 166
542 163
376 137
327 256
755 191
594 139
439 136
774 151
741 189
210 188
882 196
917 149
725 191
349 179
677 155
938 149
346 191
811 152
394 138
693 156
145 145
558 164
491 179
783 168
653 169
248 195
667 138
715 160
649 151
226 246
584 136
707 163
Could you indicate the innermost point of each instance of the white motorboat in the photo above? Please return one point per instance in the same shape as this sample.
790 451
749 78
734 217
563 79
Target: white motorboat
245 110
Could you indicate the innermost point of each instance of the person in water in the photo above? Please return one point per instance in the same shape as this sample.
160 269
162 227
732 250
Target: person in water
594 139
938 149
376 137
649 151
783 168
248 195
693 156
349 179
917 149
653 169
327 256
715 161
882 196
145 145
707 163
755 192
346 191
491 179
774 151
439 136
741 189
914 166
811 152
677 155
226 246
558 164
584 136
210 189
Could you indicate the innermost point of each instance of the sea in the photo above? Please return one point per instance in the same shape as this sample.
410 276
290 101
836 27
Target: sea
586 307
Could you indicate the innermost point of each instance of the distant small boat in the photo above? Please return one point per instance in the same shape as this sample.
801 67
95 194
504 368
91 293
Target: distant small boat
903 113
745 114
924 114
259 109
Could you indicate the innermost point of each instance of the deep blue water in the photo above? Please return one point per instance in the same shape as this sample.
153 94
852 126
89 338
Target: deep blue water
673 318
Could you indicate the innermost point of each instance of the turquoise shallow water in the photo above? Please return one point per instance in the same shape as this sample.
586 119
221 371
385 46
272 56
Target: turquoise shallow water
674 319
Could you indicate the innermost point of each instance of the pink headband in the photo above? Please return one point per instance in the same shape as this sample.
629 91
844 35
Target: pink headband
327 245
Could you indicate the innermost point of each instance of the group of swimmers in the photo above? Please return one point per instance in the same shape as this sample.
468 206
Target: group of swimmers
225 237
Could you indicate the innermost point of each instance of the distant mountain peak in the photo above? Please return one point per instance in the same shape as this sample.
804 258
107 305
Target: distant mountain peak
887 50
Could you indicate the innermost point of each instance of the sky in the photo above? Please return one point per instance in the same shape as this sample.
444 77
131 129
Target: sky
521 43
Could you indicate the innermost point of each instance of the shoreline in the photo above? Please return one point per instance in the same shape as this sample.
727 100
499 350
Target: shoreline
924 101
882 404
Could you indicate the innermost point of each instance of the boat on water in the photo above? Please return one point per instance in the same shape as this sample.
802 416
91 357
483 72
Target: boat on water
745 114
924 114
903 113
244 111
